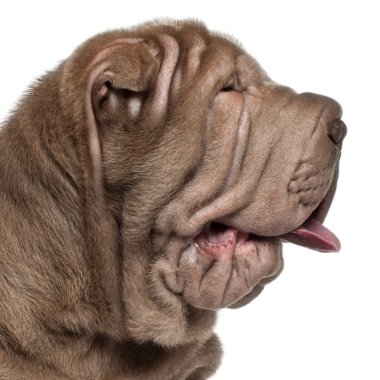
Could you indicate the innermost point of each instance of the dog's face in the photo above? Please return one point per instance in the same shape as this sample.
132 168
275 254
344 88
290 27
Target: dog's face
215 163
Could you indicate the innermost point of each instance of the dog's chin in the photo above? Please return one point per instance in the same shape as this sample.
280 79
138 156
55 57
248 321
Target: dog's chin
262 255
237 265
224 267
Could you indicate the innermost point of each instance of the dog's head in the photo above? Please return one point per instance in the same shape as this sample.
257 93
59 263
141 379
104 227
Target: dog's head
205 162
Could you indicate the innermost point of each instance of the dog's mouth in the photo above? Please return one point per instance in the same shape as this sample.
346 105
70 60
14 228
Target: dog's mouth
220 241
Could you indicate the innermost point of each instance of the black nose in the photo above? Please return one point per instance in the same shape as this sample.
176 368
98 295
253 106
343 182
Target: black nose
336 130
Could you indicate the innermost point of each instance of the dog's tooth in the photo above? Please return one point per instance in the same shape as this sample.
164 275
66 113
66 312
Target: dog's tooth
206 242
225 245
230 240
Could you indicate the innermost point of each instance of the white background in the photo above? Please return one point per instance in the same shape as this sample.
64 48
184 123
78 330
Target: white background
320 319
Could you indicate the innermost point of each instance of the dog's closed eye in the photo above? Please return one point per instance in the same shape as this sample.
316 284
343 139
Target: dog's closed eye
232 85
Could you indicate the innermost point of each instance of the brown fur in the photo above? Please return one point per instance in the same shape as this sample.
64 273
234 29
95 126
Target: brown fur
111 165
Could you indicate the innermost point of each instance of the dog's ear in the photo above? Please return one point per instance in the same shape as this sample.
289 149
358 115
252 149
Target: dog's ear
118 77
122 76
104 81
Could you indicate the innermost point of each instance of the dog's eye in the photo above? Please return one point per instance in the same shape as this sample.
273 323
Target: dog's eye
230 84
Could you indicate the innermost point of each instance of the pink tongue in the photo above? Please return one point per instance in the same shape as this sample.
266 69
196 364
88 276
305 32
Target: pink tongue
312 234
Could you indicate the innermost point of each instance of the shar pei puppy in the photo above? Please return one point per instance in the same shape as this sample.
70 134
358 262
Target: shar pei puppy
146 182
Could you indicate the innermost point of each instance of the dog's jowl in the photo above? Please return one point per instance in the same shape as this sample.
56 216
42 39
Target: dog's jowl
146 182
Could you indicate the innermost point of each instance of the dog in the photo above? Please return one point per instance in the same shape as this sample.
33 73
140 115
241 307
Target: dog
146 182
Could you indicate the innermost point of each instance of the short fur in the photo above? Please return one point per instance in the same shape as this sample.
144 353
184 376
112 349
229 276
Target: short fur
111 167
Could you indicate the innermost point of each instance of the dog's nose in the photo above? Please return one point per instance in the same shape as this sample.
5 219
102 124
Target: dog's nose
336 130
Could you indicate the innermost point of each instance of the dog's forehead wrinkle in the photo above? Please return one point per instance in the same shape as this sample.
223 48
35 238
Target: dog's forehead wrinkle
188 62
161 95
194 57
176 81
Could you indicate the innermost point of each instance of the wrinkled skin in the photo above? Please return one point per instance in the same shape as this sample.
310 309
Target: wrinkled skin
175 168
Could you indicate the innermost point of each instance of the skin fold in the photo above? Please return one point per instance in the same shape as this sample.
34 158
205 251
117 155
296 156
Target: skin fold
147 182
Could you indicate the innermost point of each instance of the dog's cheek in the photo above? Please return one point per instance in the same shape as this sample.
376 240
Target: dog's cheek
165 284
176 322
206 282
